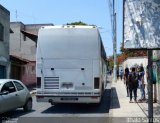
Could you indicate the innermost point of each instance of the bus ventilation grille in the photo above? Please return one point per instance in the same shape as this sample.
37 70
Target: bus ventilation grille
51 82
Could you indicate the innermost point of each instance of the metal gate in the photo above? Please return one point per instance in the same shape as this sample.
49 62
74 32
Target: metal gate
2 72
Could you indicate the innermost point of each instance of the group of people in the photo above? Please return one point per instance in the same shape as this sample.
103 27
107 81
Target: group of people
134 79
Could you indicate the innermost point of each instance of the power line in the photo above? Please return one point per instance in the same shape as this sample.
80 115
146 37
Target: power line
112 5
19 15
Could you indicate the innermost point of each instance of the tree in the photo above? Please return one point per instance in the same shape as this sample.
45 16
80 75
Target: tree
125 53
121 58
80 23
110 62
77 23
133 53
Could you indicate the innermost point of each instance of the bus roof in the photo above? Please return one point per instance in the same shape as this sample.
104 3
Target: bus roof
68 26
69 42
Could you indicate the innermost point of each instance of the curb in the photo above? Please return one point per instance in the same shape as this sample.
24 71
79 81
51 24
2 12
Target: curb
111 96
110 109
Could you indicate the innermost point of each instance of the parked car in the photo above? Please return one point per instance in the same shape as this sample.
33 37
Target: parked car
14 94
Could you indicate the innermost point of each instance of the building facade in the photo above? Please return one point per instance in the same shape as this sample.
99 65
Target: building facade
4 42
156 58
23 48
132 61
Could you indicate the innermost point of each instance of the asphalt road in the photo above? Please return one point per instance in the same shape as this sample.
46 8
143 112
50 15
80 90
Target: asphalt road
62 113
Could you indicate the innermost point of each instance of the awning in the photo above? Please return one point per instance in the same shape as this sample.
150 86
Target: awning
30 35
18 59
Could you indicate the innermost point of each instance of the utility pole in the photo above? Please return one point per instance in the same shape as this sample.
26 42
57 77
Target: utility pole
114 43
16 15
113 23
150 87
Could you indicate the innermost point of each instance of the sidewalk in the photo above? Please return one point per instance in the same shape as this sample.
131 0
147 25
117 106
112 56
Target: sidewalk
120 106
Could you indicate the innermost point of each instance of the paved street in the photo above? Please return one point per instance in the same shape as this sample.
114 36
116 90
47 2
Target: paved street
115 107
63 113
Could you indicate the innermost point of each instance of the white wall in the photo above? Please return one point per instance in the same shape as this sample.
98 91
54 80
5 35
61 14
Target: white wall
135 60
131 61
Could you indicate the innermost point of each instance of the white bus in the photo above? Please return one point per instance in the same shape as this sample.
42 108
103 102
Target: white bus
70 65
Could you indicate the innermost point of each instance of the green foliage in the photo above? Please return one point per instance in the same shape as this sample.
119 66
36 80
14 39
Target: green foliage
80 23
77 23
132 53
110 61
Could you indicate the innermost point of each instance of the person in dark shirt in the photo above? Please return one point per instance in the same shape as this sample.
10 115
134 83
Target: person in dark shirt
117 74
126 79
133 84
121 74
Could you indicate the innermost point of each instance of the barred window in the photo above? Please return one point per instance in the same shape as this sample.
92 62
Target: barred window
33 68
1 32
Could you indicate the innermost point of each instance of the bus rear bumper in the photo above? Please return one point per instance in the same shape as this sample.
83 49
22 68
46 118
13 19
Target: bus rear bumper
68 99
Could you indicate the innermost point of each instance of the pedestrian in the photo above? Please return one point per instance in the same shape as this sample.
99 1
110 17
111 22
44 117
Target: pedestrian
145 81
110 72
133 84
141 83
154 80
126 79
117 74
154 83
121 74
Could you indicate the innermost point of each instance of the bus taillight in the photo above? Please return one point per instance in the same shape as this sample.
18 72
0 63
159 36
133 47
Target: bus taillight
38 82
96 83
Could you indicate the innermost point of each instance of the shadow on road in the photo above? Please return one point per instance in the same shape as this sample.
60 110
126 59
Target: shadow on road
82 108
14 114
114 99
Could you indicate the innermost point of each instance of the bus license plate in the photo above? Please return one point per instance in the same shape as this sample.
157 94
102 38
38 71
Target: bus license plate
69 98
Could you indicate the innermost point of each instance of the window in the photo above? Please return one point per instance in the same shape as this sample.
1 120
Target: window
23 70
18 86
1 32
33 69
8 87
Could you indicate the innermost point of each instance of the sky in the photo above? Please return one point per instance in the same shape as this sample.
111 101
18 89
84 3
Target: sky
60 12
